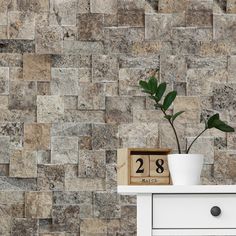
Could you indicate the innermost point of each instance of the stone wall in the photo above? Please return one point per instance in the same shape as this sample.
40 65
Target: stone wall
69 97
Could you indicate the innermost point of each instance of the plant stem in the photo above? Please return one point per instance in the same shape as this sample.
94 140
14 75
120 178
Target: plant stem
195 140
176 136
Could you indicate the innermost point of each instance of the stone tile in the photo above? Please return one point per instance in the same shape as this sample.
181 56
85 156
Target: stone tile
121 39
199 14
71 102
105 7
147 62
71 129
223 97
131 4
16 73
85 75
188 40
204 146
37 136
90 26
14 131
65 61
92 164
22 226
105 68
158 26
120 109
93 226
5 218
232 68
173 68
224 26
128 218
38 205
219 6
3 31
201 81
172 6
48 40
72 198
5 150
66 217
129 80
82 47
84 184
180 88
22 95
17 46
111 177
91 96
148 116
43 88
60 9
132 18
33 5
84 116
4 170
21 25
43 156
64 150
4 80
49 109
11 60
231 6
106 205
191 106
23 164
36 67
64 81
51 177
83 6
137 134
105 136
17 184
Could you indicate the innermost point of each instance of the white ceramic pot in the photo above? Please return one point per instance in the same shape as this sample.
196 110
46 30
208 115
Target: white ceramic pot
185 169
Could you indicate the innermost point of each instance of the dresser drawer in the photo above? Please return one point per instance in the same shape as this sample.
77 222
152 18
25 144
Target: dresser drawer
193 211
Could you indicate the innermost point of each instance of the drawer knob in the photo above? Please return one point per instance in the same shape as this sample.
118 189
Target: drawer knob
215 211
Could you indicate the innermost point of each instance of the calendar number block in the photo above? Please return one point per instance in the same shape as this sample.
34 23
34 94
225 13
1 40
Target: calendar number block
143 166
140 165
159 166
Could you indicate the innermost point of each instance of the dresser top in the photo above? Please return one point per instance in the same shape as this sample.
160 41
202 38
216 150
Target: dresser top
134 190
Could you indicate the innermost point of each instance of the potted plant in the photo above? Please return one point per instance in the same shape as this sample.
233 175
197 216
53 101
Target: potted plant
185 168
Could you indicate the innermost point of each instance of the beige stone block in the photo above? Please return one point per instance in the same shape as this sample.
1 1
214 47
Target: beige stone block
231 6
204 146
85 184
3 31
64 81
36 67
38 205
23 164
49 109
232 68
103 6
49 39
21 25
191 106
37 136
93 226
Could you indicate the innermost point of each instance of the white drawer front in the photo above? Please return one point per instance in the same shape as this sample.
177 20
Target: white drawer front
185 211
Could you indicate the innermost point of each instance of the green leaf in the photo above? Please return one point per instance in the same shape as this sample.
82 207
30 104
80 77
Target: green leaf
168 117
219 124
176 115
211 121
170 97
152 84
143 84
160 91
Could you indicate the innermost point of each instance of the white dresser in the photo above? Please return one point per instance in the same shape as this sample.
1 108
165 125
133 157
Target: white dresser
184 210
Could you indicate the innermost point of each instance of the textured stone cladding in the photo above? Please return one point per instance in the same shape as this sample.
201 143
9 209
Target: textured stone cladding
69 97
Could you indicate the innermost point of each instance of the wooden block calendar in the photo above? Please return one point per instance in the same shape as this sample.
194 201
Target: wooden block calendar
142 166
